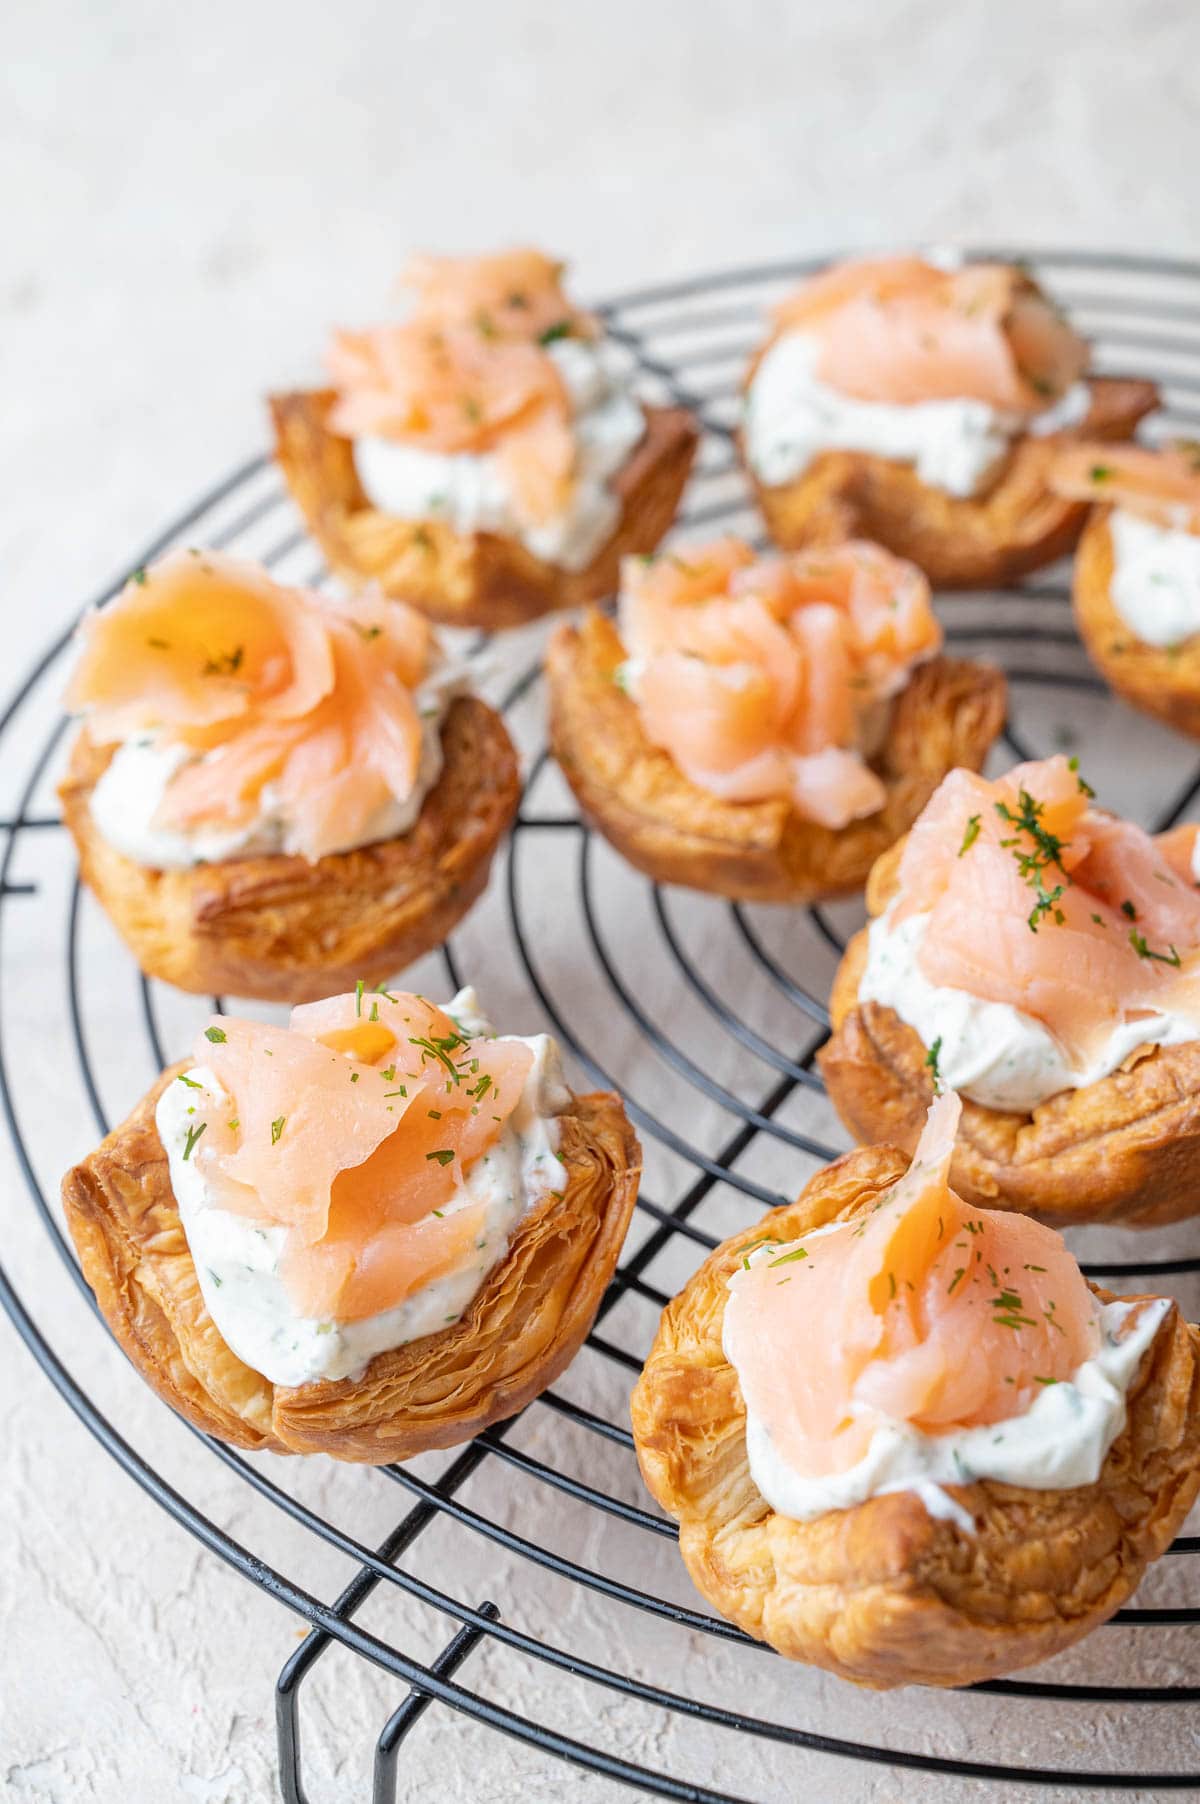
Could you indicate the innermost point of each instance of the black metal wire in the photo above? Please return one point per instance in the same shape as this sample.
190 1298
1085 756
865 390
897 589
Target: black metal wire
677 346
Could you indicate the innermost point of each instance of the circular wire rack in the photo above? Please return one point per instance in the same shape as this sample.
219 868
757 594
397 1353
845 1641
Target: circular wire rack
535 1541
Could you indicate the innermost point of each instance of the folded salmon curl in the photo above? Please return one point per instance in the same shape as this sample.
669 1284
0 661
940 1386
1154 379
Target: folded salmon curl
353 1129
1036 898
924 1312
469 370
268 700
902 331
771 677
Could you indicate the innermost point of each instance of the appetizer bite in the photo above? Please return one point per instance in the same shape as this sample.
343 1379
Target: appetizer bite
764 727
275 789
1137 572
484 458
922 406
368 1233
1041 957
903 1437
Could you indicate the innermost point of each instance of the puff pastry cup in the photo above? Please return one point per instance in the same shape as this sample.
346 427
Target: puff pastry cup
284 929
1015 526
1124 1150
949 713
1160 680
525 1325
882 1593
478 579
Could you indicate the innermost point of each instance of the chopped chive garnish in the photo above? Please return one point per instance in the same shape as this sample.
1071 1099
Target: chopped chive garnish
358 996
1138 942
436 1049
193 1134
1047 850
277 1128
1085 788
970 835
443 1155
216 1034
226 663
189 1081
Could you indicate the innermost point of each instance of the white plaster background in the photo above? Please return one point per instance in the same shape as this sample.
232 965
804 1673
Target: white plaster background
188 197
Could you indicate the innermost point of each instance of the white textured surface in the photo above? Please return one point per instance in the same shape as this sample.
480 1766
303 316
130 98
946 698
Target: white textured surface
190 196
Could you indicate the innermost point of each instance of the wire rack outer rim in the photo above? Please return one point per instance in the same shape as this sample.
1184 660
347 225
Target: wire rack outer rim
435 1681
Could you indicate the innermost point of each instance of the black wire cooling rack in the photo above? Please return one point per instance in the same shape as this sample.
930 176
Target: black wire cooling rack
717 1012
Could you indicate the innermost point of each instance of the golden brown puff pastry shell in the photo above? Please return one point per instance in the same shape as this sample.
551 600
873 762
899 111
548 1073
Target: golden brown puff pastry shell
883 1593
638 798
524 1327
473 579
1161 680
284 930
973 542
1125 1150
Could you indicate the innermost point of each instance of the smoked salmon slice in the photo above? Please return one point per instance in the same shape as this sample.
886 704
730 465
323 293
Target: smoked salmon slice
1178 847
902 331
922 1311
468 371
1038 899
193 642
1161 486
509 294
352 1128
310 693
761 677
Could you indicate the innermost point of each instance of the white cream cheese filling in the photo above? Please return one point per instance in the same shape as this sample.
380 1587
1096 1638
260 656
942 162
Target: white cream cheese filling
238 1260
954 444
991 1051
131 789
1059 1442
470 493
1155 584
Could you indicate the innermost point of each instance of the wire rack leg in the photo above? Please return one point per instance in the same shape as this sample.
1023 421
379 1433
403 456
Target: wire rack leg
287 1687
387 1749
